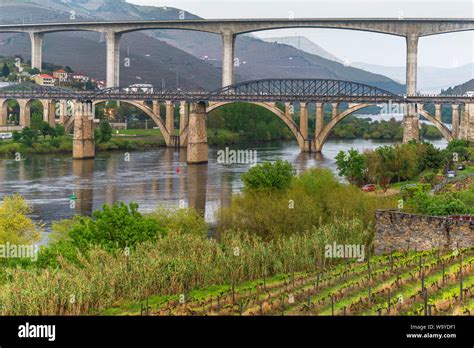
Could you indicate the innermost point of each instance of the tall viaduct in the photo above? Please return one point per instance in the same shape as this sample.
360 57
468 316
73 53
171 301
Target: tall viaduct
264 93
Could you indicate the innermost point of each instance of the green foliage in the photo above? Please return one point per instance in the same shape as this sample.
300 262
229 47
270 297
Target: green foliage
118 226
245 122
351 165
186 221
269 176
315 198
5 70
15 225
438 205
104 133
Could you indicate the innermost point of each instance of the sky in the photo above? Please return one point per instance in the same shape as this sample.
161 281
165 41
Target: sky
447 50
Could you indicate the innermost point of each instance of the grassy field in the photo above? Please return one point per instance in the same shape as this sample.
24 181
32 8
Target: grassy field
397 284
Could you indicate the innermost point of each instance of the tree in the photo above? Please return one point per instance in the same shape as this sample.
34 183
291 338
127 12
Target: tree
60 130
5 70
105 132
380 166
351 165
46 130
28 136
269 176
15 225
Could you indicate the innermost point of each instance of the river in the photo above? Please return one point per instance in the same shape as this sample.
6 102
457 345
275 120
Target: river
156 177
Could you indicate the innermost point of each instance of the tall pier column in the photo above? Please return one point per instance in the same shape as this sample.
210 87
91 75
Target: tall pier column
113 58
455 121
83 144
228 53
36 50
438 112
411 129
197 138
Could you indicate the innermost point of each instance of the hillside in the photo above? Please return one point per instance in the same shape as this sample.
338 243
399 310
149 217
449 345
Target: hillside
460 89
192 59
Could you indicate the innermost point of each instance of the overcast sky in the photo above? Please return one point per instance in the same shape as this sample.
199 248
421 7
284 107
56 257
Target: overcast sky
447 50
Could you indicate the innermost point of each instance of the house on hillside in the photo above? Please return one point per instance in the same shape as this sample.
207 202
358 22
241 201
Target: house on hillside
80 77
45 80
61 75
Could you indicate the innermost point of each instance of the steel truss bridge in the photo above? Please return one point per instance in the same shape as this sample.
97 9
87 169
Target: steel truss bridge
268 90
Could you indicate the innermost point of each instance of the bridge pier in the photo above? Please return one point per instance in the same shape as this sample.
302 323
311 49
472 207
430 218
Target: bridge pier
169 120
62 111
304 126
197 138
49 112
183 121
113 58
455 120
411 124
438 111
411 130
36 50
228 54
335 110
3 112
467 122
24 113
83 144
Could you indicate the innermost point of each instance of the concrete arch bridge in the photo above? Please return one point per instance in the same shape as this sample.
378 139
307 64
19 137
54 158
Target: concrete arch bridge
75 109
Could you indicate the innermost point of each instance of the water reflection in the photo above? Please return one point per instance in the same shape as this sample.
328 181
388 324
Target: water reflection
157 177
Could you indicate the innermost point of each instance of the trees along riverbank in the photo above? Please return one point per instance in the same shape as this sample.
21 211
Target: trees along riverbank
415 169
121 255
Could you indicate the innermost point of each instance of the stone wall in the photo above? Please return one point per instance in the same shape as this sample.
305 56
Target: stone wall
395 230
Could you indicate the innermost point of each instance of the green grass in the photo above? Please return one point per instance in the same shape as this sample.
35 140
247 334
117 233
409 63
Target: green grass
138 132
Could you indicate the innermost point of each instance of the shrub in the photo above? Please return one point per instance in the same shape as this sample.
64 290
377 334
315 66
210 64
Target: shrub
269 176
113 227
15 226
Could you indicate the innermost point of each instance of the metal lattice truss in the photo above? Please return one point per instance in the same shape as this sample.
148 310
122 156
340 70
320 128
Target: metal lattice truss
307 90
34 91
269 90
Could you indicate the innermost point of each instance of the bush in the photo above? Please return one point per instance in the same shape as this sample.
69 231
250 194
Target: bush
269 176
118 226
315 198
186 221
15 226
439 205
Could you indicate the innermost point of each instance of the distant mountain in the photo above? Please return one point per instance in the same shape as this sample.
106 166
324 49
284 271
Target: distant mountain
304 44
430 79
170 56
460 89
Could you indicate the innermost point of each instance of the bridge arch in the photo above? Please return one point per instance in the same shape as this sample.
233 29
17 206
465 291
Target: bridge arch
139 105
270 107
447 134
326 131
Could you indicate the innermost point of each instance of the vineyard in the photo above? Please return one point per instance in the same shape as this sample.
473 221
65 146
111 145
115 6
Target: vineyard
402 283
